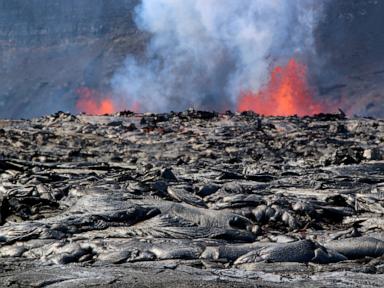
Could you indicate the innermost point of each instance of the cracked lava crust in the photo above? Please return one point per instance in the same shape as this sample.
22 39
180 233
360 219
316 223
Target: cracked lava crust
190 199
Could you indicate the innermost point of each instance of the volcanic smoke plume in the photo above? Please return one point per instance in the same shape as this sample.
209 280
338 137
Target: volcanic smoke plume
219 54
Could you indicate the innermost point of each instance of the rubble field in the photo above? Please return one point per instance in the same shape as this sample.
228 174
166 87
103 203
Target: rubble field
192 199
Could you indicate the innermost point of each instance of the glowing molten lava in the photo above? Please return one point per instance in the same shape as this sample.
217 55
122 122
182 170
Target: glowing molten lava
91 102
95 103
287 93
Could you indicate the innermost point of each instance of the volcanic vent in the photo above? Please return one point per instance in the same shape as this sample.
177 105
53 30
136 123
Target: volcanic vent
287 93
202 54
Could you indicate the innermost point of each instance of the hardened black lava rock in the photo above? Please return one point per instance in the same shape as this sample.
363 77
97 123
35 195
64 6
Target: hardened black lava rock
191 199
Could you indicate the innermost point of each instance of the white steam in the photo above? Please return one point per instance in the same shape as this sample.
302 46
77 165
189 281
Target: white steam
202 53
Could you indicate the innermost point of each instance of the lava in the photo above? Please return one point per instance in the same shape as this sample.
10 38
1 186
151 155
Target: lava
287 93
92 102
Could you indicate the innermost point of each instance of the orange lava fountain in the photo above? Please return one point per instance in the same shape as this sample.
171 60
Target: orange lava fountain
287 93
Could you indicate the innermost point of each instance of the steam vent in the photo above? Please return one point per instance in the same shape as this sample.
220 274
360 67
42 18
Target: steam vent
220 143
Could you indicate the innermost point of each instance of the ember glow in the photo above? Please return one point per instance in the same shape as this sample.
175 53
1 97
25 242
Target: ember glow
287 93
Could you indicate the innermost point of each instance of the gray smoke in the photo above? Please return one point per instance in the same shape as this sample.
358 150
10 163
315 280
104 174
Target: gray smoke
203 53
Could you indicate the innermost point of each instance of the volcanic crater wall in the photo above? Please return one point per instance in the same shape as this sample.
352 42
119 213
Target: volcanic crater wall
350 45
50 48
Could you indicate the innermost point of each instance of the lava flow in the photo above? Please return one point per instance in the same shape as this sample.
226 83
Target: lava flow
287 93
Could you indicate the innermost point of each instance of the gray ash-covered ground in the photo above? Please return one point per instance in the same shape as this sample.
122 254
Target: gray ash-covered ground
191 199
